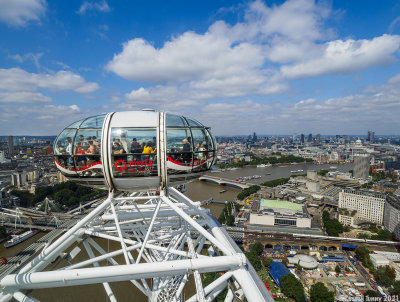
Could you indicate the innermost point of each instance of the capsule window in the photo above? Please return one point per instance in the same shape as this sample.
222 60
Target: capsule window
87 152
134 152
173 120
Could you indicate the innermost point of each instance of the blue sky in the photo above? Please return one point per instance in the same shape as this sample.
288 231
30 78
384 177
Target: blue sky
273 67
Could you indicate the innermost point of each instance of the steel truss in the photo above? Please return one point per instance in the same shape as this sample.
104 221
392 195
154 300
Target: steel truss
162 239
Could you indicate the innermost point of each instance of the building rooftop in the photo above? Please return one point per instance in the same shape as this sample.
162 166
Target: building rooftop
278 270
379 258
281 204
370 193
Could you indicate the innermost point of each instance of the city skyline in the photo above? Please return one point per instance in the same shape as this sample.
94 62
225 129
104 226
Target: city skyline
276 67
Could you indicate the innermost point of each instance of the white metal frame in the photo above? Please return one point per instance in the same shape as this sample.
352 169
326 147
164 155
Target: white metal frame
162 238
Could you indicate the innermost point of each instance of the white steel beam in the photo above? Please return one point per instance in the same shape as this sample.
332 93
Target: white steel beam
50 279
197 226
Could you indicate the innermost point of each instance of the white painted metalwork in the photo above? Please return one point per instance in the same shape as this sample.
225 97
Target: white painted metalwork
164 248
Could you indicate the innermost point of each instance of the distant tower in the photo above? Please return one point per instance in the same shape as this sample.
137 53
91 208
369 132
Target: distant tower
254 137
318 138
10 145
302 138
309 138
294 137
371 136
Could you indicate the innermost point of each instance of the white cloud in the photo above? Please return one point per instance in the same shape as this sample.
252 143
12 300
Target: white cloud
19 13
101 6
254 57
34 57
38 119
351 114
341 57
187 57
394 24
17 85
23 97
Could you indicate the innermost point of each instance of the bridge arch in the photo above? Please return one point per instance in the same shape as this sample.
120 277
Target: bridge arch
209 180
287 247
304 247
323 248
269 246
332 248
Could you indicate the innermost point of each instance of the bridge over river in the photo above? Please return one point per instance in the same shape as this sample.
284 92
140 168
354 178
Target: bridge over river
226 182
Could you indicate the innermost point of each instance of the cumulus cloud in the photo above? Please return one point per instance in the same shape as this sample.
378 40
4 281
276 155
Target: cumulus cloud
349 56
257 56
19 13
101 6
38 119
17 85
34 57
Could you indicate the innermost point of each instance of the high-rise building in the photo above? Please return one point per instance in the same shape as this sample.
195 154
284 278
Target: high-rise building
371 136
361 167
309 138
10 145
18 179
318 138
302 138
391 215
2 157
358 206
254 137
294 137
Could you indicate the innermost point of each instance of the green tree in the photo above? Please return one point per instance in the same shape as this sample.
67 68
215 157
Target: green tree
371 293
319 293
396 288
257 248
247 192
267 261
208 278
337 269
254 260
292 288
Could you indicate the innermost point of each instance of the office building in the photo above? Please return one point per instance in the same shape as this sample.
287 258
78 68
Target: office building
391 216
302 138
318 138
280 213
10 145
18 179
379 260
358 206
371 136
361 167
309 138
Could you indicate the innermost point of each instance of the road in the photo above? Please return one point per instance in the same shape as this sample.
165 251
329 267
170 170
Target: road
360 270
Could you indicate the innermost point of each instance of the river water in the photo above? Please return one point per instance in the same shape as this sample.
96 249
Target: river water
200 190
196 191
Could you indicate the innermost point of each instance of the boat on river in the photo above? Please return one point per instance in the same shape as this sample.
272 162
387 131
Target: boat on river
16 239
